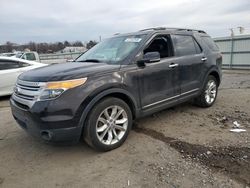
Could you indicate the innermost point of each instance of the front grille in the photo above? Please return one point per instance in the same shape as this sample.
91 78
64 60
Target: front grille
27 90
26 93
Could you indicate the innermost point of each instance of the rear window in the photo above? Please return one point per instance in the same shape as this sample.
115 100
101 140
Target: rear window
210 43
186 45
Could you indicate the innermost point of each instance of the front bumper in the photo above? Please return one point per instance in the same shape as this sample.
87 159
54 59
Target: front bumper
51 128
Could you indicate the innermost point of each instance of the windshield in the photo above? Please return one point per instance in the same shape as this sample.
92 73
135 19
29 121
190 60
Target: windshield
112 50
18 55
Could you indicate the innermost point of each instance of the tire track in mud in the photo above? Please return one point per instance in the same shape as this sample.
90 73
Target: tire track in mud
232 161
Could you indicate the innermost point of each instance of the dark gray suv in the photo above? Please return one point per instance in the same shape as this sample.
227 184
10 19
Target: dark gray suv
125 77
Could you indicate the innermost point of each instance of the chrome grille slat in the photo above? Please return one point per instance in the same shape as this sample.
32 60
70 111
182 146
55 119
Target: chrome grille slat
28 88
25 97
26 92
23 101
31 84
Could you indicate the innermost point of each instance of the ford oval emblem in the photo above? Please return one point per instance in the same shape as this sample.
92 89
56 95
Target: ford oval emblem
17 90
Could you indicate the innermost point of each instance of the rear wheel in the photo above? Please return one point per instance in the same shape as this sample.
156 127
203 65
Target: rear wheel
108 124
209 93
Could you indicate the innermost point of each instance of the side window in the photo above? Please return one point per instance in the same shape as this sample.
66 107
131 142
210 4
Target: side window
185 45
5 65
210 43
30 56
161 44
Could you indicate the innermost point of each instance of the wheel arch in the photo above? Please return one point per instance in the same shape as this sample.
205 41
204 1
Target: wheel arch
216 75
112 92
214 72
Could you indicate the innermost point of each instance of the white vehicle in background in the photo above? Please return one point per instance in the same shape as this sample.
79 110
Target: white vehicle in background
27 55
10 68
31 56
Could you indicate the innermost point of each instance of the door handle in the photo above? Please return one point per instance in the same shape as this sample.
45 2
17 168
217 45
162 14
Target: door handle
172 65
203 59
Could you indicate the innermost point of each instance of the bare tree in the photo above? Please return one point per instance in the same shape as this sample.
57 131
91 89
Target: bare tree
90 44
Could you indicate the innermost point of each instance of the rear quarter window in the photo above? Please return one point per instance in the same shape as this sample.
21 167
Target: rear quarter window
210 43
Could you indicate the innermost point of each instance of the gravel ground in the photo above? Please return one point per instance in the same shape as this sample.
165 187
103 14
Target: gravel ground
184 146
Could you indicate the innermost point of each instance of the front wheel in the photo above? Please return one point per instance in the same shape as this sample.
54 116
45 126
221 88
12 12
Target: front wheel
209 93
108 124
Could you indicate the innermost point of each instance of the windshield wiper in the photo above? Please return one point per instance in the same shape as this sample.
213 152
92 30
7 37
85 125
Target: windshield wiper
90 60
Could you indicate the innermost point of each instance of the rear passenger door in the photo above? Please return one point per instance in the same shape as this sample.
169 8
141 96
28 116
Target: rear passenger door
190 60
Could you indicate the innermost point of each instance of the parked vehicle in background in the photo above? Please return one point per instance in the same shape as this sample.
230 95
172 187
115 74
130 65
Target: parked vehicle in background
31 56
10 69
120 79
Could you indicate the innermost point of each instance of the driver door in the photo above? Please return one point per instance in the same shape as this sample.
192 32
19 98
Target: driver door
159 81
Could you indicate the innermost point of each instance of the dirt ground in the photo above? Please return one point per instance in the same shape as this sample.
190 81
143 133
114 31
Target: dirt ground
184 146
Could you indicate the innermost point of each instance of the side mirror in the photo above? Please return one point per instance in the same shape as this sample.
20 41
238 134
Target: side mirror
149 57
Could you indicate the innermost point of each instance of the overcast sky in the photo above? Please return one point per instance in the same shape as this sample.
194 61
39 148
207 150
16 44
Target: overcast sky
22 21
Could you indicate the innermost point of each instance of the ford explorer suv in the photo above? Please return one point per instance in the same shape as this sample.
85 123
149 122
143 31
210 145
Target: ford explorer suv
122 78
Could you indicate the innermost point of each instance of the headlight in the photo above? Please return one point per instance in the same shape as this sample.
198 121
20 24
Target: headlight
55 89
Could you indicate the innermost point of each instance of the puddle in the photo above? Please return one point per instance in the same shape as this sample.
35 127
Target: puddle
232 161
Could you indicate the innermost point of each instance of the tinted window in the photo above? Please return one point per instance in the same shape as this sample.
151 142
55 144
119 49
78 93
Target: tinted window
30 56
210 43
185 45
162 45
5 64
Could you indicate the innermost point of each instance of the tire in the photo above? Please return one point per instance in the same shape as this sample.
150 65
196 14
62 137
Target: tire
209 93
105 129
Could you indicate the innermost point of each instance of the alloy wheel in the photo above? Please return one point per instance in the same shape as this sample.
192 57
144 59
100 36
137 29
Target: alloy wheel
210 92
111 125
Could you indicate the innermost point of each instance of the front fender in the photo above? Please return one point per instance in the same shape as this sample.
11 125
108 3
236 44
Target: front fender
97 96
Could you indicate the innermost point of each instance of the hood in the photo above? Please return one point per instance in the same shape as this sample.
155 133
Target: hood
67 71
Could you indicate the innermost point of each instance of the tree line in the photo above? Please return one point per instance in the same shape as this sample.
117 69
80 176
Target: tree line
43 47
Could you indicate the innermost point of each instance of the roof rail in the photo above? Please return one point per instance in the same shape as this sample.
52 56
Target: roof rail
172 28
193 30
154 28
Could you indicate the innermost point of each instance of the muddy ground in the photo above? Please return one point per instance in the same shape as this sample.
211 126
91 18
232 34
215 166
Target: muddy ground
184 146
